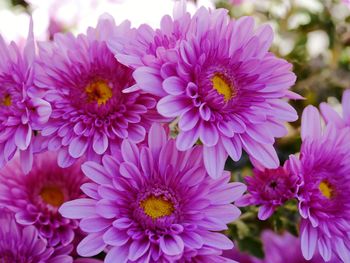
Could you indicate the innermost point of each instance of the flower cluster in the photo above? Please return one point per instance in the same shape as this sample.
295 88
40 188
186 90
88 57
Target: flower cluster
113 145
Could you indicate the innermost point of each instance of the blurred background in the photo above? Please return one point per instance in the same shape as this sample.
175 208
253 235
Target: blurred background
314 35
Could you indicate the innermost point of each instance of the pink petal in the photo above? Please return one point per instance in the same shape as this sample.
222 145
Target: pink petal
156 139
138 248
171 245
233 147
308 240
173 106
96 172
64 160
78 208
186 139
26 158
94 224
174 85
78 147
189 120
331 116
91 245
115 237
205 112
136 133
23 136
100 142
149 80
325 248
214 160
265 211
263 153
346 105
217 240
117 255
310 123
208 134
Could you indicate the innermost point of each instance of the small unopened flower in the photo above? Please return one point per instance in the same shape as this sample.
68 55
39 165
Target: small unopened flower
269 189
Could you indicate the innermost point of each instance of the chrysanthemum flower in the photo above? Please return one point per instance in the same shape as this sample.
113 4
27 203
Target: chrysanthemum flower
269 188
22 108
22 244
285 248
153 203
91 114
331 116
36 197
217 76
324 195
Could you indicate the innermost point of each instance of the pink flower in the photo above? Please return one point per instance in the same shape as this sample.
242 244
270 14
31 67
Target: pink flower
153 203
22 108
91 113
36 197
218 78
324 195
269 188
23 244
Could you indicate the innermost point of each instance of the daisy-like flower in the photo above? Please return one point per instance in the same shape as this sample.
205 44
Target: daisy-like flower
22 108
36 197
217 76
23 244
331 116
85 83
269 188
153 203
324 194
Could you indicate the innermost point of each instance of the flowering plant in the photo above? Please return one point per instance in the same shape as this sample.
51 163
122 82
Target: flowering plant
165 144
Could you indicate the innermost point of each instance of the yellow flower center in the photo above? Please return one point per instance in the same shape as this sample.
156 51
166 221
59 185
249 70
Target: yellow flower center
157 207
99 91
52 195
223 87
326 189
7 100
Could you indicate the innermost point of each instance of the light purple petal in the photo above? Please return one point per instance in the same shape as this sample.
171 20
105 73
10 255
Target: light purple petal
214 160
308 240
310 123
173 106
78 208
91 245
171 245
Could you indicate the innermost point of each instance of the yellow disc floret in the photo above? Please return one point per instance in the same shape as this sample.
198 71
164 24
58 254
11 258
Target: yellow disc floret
156 207
222 87
7 100
99 91
52 195
326 189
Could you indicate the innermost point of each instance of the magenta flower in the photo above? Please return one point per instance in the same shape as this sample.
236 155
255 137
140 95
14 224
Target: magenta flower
331 116
285 248
22 108
36 197
153 203
22 243
91 114
269 188
217 76
324 195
